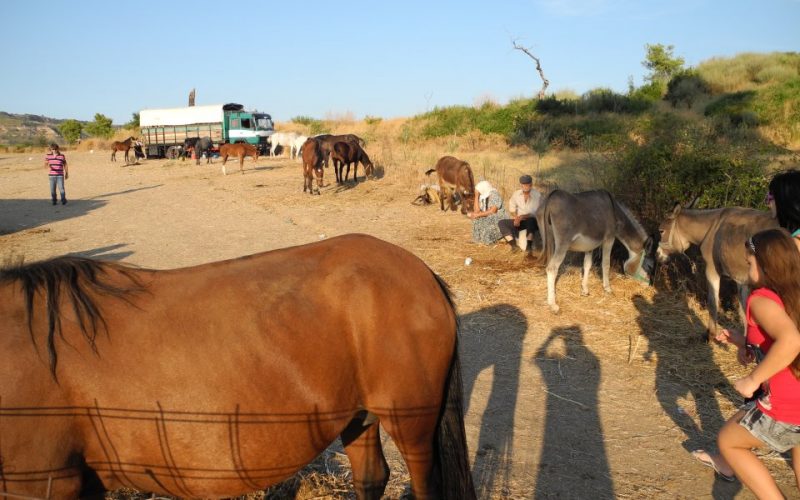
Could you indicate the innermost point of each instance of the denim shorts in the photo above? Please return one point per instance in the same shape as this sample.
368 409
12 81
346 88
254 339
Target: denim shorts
779 436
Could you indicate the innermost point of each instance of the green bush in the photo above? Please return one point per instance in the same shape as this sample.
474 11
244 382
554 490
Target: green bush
736 107
686 88
71 130
100 127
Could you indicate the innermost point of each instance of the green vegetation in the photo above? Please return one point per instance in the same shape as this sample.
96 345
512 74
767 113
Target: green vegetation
315 127
100 127
134 123
71 130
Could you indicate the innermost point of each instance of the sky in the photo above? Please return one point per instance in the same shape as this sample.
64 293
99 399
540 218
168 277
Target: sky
65 59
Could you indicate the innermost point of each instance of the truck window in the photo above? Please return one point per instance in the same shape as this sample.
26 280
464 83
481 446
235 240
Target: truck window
264 123
246 123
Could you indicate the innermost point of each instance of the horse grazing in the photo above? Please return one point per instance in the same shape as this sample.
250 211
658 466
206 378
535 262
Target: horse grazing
240 150
200 146
312 164
584 221
721 235
458 173
327 141
345 153
283 139
122 146
224 378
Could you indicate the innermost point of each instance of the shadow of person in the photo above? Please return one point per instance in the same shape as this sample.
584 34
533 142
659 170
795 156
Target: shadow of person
491 338
573 449
685 368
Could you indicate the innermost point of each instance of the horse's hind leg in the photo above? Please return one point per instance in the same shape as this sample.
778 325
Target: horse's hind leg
370 470
552 272
413 436
587 266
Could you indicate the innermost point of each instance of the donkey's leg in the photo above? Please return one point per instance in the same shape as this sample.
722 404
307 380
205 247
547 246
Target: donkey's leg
552 273
441 194
606 264
363 448
713 300
587 266
744 292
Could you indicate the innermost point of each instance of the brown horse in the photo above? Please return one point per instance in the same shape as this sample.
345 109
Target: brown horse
240 150
327 141
458 173
122 146
345 153
311 154
224 378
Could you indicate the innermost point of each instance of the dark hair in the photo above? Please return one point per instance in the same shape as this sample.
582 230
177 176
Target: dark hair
785 188
779 263
54 146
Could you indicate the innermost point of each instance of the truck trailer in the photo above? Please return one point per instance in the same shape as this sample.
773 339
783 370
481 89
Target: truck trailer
163 131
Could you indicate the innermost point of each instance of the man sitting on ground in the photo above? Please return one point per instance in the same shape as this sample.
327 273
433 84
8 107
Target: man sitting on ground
522 206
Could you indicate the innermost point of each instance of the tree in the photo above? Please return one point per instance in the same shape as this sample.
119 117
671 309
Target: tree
134 123
663 65
545 81
100 127
71 130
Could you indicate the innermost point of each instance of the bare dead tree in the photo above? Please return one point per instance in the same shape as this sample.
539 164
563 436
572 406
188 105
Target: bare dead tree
545 81
191 98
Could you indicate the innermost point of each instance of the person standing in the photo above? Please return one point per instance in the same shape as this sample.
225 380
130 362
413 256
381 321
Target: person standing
56 162
523 206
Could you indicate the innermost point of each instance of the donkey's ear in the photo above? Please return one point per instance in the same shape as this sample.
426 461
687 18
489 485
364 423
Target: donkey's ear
676 209
693 202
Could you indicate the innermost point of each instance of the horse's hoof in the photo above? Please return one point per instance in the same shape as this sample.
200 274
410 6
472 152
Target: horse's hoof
607 290
555 309
584 293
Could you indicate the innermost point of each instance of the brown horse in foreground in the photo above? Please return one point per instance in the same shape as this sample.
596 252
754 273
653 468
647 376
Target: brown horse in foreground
458 173
240 150
122 146
228 377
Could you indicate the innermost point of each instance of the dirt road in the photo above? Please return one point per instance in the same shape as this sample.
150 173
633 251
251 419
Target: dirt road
601 401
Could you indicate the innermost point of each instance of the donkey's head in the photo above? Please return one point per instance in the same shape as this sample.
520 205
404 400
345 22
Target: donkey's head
671 239
642 267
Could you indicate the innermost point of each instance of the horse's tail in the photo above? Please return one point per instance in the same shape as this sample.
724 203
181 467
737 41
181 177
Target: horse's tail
546 231
429 172
451 461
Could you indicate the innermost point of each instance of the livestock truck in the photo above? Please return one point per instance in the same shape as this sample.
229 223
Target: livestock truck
163 131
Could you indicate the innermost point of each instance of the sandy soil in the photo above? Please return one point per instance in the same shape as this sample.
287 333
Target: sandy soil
601 401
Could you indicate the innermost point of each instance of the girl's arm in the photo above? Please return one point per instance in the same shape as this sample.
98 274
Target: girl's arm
778 325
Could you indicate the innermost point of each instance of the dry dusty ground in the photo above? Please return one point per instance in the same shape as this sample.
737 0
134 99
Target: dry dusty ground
601 401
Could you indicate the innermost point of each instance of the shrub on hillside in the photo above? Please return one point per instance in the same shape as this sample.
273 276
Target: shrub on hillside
737 108
686 88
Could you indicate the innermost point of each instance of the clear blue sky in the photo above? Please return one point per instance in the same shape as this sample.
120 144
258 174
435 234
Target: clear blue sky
74 59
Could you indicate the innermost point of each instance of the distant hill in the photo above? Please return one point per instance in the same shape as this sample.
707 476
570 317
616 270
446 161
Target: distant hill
28 129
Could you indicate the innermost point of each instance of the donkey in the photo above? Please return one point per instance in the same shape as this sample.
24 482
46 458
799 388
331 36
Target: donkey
456 172
122 146
582 222
721 235
200 145
312 164
240 149
345 153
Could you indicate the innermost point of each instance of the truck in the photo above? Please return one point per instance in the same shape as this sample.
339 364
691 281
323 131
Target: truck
163 131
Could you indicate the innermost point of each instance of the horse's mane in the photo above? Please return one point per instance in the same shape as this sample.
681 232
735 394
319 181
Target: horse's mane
75 276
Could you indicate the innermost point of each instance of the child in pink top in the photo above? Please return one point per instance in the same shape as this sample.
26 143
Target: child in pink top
773 311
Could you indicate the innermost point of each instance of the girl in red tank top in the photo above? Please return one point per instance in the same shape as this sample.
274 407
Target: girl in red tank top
773 311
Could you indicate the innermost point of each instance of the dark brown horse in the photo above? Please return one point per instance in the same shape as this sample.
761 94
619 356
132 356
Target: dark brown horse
311 154
457 173
122 146
345 153
240 150
228 377
327 141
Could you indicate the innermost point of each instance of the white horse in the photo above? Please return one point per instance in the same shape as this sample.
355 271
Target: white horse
283 139
297 144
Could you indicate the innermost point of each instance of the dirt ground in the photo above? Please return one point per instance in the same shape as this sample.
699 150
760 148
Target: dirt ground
601 401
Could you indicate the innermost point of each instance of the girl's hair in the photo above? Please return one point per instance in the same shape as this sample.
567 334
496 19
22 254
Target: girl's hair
785 188
779 263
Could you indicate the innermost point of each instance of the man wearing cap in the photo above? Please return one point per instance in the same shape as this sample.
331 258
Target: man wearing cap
522 206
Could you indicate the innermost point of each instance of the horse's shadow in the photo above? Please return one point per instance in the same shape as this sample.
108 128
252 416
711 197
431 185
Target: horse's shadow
104 253
686 369
491 338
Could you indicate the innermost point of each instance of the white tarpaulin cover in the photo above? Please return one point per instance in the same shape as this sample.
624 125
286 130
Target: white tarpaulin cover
180 116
